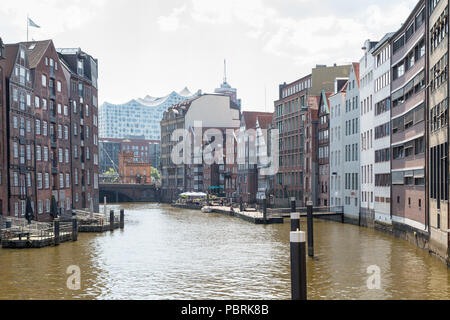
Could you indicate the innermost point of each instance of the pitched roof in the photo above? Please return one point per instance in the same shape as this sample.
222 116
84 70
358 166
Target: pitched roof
356 70
250 118
265 120
10 55
36 52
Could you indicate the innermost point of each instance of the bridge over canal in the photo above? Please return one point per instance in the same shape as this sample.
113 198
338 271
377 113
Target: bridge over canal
119 192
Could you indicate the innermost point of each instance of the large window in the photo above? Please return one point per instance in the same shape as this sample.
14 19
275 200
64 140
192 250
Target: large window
439 115
399 43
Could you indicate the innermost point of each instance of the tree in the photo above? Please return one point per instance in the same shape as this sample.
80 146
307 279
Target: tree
112 174
155 174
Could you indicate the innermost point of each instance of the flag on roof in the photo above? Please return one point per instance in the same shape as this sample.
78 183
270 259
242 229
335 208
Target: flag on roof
32 24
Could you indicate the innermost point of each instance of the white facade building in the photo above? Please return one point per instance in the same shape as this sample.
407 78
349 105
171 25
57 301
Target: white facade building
351 148
382 130
366 141
337 109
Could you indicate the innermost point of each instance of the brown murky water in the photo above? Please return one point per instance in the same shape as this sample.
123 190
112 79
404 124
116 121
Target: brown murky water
166 253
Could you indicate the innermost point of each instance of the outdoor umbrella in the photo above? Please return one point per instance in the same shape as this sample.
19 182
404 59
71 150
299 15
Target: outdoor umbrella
29 211
54 208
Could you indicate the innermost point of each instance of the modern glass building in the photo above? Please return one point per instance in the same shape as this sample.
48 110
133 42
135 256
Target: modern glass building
139 117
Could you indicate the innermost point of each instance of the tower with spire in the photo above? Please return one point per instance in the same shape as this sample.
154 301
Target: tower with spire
226 89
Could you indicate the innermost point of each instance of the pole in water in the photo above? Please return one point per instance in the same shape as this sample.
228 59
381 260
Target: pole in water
295 221
74 228
293 205
310 218
104 206
122 218
111 220
265 209
298 265
56 231
295 217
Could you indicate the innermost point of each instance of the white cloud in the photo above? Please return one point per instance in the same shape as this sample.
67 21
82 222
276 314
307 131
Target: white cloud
314 38
53 16
171 22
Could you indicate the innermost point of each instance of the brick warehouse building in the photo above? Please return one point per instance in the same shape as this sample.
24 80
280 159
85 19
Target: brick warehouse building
408 139
81 71
20 131
52 127
132 170
437 112
296 123
39 131
3 135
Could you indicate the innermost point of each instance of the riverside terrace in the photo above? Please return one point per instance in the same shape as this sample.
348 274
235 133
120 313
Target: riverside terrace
19 234
267 216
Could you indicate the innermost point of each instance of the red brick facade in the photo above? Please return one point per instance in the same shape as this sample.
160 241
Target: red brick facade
81 74
132 172
20 132
36 120
3 136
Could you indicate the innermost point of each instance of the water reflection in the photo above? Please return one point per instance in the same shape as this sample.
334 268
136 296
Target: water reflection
167 253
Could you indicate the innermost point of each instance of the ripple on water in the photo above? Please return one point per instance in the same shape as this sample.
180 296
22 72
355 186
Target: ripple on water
166 253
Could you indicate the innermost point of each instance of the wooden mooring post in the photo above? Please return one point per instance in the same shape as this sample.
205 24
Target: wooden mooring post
298 265
265 209
122 218
241 206
309 210
74 228
111 220
56 231
104 206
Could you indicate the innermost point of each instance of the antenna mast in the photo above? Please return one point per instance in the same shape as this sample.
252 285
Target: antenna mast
224 71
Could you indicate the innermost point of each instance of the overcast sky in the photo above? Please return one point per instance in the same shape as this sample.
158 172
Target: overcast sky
152 47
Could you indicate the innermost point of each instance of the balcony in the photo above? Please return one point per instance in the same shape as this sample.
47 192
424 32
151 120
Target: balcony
52 118
53 142
52 73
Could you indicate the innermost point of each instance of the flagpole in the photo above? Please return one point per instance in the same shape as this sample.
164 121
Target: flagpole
28 18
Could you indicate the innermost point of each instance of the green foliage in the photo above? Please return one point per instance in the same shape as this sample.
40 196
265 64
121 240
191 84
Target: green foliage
111 172
155 174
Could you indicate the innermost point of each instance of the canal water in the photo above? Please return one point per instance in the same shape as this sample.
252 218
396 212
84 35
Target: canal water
167 253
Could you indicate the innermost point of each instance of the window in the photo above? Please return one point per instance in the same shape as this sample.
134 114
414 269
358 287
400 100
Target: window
398 177
398 43
47 180
39 180
38 153
44 81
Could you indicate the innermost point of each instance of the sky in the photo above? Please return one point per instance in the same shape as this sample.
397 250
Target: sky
154 47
